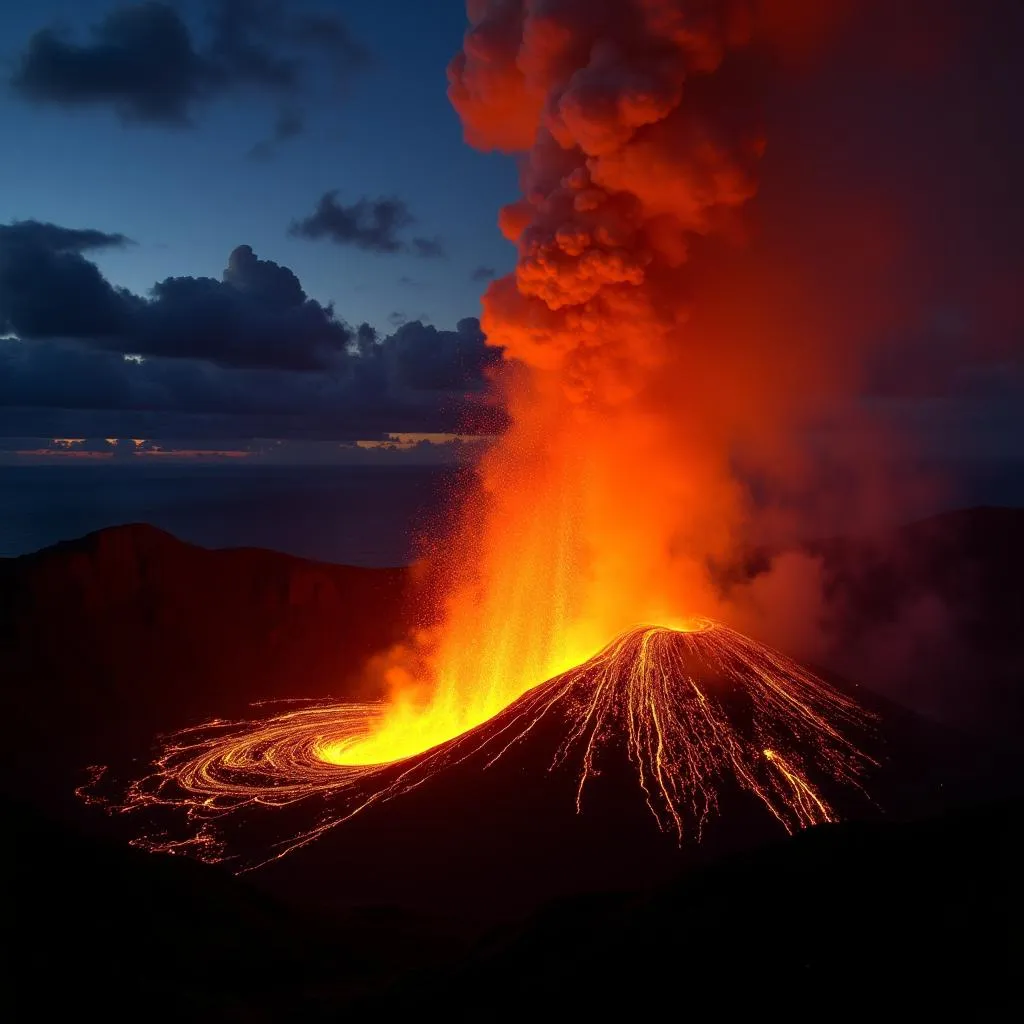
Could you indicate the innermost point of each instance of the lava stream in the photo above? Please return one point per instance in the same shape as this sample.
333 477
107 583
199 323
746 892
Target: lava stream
692 712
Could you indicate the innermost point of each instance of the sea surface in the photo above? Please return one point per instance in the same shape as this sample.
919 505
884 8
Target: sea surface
371 515
353 515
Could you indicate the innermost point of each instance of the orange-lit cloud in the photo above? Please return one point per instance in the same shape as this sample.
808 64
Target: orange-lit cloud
714 255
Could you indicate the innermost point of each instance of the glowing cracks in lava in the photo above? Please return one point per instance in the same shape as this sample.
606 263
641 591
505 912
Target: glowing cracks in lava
694 715
701 708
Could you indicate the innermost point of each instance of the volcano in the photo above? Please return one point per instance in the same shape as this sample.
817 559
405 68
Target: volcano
667 744
88 648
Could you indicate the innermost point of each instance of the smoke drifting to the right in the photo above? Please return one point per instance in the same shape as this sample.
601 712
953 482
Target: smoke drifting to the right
724 312
869 331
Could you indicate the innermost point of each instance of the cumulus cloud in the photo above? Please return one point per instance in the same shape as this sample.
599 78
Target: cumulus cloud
374 225
142 62
250 346
427 359
256 315
48 288
147 64
49 387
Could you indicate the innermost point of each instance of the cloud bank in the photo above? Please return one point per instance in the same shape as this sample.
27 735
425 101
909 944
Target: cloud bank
250 344
148 65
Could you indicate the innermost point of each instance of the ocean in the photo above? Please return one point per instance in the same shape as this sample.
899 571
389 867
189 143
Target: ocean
352 515
369 515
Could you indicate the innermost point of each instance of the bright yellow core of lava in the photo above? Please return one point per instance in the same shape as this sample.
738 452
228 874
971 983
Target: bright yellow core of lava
406 728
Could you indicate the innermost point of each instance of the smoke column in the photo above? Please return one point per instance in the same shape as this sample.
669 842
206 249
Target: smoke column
596 512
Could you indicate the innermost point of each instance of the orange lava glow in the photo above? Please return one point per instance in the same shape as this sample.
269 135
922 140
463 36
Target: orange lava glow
695 714
597 509
602 505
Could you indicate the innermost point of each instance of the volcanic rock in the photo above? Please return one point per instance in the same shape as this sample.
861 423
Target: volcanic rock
108 640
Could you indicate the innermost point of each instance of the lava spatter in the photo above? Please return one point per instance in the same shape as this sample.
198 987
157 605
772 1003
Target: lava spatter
690 714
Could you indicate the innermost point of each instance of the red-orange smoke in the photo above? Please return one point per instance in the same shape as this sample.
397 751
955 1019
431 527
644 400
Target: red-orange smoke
596 512
668 353
687 370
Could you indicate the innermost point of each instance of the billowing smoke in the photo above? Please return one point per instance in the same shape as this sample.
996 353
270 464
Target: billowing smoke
637 137
691 324
627 113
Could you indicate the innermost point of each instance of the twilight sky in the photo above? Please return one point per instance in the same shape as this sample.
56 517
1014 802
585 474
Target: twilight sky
167 136
371 123
230 188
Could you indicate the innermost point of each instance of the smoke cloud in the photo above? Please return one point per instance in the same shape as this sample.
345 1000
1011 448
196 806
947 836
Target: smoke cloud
721 251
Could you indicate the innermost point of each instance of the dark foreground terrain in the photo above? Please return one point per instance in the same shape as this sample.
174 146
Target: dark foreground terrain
106 641
915 916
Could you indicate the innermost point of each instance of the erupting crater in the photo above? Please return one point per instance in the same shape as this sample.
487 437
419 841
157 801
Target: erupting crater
688 714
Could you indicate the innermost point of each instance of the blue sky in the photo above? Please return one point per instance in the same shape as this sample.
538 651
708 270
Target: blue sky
889 190
189 196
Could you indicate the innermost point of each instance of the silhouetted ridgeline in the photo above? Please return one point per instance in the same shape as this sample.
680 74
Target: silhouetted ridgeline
131 627
127 632
107 640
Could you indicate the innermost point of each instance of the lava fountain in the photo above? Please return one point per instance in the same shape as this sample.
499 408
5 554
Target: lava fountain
610 492
600 506
693 713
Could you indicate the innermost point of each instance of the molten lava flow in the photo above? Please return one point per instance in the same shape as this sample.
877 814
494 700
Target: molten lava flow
597 509
694 715
611 491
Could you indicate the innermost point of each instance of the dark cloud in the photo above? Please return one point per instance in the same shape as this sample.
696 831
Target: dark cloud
262 279
426 359
144 62
289 125
366 337
256 315
483 274
52 387
64 375
141 62
48 288
250 347
241 49
248 34
34 233
371 224
43 374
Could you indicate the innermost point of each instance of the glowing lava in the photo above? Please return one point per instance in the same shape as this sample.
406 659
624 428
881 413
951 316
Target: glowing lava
613 488
474 684
693 714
